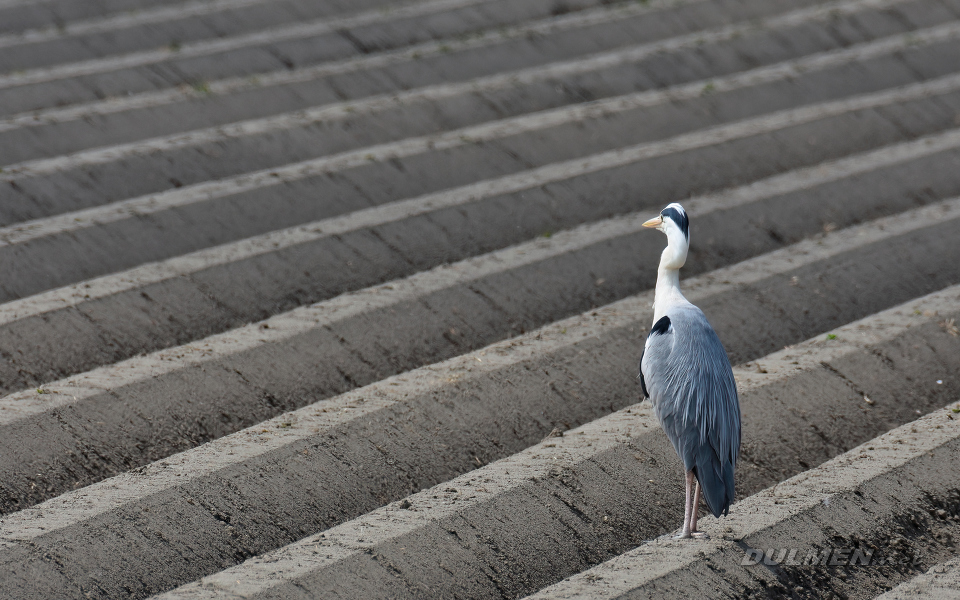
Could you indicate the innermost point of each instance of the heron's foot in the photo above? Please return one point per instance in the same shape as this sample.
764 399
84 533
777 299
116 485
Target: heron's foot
686 534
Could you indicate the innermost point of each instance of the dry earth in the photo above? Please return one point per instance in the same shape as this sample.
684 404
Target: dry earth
337 299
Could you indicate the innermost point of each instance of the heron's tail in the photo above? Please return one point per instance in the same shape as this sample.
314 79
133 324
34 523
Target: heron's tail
716 481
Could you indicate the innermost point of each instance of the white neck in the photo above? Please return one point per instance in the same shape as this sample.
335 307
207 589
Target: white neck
668 292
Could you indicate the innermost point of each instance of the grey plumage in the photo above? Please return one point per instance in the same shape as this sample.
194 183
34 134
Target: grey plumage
685 371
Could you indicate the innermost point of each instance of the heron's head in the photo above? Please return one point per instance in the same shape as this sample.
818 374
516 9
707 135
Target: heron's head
674 223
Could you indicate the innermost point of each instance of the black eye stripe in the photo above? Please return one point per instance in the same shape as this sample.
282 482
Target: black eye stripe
679 218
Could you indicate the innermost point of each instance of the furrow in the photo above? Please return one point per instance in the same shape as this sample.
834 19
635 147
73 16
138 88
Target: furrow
106 24
210 47
563 171
607 108
346 299
549 496
285 260
792 181
234 85
222 133
941 581
16 3
858 524
299 321
287 361
13 3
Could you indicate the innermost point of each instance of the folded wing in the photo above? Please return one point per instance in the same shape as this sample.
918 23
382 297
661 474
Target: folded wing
686 373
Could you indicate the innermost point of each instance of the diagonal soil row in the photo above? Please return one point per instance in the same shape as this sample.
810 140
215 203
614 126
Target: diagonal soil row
205 390
230 95
378 444
312 327
290 139
894 498
850 64
279 267
315 42
941 581
568 502
159 26
419 10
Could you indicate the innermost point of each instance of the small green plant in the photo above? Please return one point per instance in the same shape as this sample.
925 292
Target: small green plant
831 336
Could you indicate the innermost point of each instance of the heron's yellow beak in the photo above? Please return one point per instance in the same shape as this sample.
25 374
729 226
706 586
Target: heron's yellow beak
655 222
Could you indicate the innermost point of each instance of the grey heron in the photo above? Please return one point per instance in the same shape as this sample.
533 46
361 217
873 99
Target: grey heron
685 372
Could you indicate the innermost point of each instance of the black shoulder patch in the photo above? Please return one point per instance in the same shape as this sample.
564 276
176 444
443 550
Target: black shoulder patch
643 384
661 326
680 218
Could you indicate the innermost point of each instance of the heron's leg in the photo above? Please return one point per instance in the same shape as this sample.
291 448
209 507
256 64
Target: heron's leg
693 517
687 505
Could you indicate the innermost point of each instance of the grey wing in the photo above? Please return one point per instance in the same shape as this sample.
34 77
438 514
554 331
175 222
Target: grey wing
694 395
